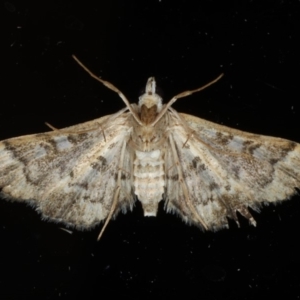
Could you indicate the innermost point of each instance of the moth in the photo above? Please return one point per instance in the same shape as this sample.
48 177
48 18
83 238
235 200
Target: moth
206 173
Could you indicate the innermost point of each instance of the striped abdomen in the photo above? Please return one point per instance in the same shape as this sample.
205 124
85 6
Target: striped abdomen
149 180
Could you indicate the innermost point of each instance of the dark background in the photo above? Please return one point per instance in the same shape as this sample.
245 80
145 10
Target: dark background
184 44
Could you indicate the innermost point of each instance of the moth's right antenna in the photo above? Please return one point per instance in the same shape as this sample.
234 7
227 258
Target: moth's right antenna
181 95
111 87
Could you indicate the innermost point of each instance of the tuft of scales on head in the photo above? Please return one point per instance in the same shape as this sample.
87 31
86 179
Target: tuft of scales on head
150 98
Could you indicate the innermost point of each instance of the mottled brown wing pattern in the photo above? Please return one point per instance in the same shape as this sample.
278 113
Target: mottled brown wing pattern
70 175
205 172
225 171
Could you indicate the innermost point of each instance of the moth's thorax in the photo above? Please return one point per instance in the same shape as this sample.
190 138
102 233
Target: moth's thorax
148 138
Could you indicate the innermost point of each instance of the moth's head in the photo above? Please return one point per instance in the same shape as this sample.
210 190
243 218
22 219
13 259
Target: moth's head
150 98
150 103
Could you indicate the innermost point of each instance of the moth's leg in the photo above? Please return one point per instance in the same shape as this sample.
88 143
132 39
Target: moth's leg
112 209
117 192
182 122
77 132
183 184
187 139
51 127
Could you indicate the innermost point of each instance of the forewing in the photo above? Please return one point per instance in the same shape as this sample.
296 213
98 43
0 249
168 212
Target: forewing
225 171
70 175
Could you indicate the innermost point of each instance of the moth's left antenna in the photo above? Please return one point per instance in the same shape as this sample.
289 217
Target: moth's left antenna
111 87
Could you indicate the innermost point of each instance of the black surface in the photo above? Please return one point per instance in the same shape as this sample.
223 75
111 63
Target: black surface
184 44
